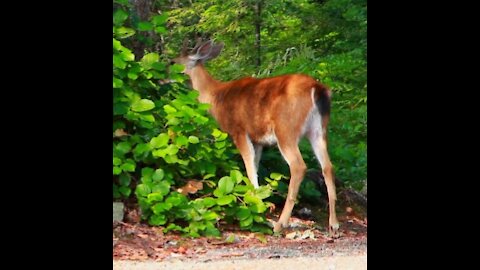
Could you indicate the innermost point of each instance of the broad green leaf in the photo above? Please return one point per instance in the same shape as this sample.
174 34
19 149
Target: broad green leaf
216 133
154 197
142 190
160 141
119 16
181 141
258 208
169 109
236 176
209 202
160 19
175 201
124 32
117 83
118 61
128 167
148 60
147 117
141 148
243 213
117 170
124 179
251 198
242 188
125 191
225 199
127 55
117 161
159 66
160 30
258 219
193 139
158 175
226 184
276 176
263 192
210 215
145 26
157 220
162 187
123 147
246 222
217 193
177 68
172 149
143 105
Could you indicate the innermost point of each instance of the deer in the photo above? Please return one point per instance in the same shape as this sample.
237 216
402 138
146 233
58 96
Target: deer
259 112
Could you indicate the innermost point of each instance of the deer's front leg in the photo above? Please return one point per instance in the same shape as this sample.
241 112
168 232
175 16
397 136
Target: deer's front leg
245 146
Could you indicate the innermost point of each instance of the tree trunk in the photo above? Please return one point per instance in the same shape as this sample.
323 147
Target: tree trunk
258 21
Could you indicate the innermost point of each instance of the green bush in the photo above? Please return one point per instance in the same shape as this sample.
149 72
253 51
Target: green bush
162 137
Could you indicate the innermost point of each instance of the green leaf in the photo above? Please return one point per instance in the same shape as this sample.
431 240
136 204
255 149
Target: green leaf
160 30
117 161
246 222
124 179
236 176
161 207
177 68
123 147
175 201
119 16
181 141
124 32
118 61
158 175
243 213
217 193
225 185
162 187
263 192
143 105
125 191
154 197
209 202
193 139
157 220
169 109
258 208
128 167
276 176
117 83
117 170
141 148
159 66
145 26
172 149
251 198
142 190
160 141
160 19
148 60
210 215
258 219
225 200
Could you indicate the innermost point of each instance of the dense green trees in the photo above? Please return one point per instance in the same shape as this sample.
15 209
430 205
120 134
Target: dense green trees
163 138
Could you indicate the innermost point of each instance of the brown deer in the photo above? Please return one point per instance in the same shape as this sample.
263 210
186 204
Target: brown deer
261 112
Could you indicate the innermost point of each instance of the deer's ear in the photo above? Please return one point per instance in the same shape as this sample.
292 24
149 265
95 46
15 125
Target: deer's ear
216 49
204 50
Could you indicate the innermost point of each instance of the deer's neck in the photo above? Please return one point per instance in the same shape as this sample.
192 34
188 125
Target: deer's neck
204 83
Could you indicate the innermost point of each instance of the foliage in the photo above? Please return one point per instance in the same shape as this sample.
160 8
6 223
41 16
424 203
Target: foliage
163 137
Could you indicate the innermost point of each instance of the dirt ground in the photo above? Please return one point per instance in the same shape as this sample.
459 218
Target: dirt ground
305 243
